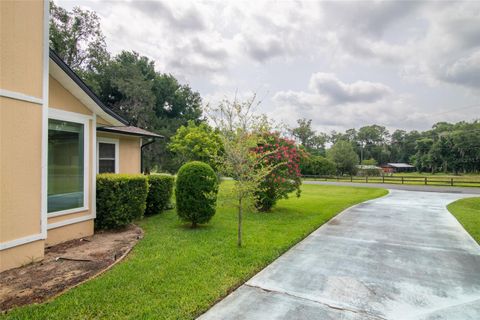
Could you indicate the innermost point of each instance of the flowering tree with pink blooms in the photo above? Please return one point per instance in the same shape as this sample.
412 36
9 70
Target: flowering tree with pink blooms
283 157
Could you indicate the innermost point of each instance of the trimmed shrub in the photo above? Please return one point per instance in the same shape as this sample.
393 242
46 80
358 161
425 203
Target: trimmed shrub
121 198
160 189
196 192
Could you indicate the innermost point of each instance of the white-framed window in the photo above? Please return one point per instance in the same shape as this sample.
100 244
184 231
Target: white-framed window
108 160
68 162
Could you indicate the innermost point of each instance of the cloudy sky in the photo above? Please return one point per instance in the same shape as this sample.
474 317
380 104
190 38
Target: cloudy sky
401 64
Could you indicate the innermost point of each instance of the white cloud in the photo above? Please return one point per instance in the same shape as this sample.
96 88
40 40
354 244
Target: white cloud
221 46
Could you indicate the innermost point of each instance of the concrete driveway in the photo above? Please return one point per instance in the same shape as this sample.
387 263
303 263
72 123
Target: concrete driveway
403 256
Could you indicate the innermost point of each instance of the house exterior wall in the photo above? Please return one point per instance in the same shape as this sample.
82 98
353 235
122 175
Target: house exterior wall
130 155
21 35
129 152
23 56
60 98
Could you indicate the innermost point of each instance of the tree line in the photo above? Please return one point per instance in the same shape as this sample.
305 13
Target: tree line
447 147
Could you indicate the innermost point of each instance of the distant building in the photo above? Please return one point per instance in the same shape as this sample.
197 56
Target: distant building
397 167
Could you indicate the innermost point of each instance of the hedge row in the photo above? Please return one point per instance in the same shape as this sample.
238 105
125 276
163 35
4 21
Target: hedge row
159 193
123 198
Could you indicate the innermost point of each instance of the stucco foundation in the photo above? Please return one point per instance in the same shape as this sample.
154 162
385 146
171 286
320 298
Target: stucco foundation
21 255
69 232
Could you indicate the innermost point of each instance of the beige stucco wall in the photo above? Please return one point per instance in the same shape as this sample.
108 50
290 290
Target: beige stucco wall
20 168
102 122
21 46
60 98
21 73
21 255
70 232
129 153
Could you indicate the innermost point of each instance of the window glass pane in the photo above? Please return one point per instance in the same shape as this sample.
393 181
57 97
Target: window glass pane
106 166
65 165
107 150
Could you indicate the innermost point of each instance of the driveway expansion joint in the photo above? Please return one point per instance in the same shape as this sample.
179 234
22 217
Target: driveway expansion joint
329 305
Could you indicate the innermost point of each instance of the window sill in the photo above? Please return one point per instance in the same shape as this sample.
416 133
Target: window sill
65 212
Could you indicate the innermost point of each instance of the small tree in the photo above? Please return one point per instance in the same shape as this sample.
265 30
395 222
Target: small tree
241 132
196 143
344 157
284 157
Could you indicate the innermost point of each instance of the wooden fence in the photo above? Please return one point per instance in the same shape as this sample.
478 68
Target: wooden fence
440 181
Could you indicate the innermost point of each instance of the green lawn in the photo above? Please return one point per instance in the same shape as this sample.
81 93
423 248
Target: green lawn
177 273
467 212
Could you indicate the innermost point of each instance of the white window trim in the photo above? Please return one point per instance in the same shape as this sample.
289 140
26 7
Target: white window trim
116 142
62 115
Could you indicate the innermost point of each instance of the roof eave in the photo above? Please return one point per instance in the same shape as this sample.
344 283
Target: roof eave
88 92
113 130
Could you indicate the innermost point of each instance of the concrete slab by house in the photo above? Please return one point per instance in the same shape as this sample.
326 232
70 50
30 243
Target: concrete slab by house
403 256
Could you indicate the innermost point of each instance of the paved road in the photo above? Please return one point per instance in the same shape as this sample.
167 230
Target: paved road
424 188
403 256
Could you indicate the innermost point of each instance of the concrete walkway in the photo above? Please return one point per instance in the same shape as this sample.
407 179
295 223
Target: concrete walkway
409 187
403 256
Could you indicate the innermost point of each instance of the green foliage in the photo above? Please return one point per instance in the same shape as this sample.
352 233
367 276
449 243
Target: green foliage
196 192
312 142
317 165
447 147
197 143
369 162
121 198
160 190
284 157
76 36
344 157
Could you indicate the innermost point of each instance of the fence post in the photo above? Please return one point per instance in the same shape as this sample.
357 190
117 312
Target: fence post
426 181
337 178
383 179
451 182
351 178
366 179
402 180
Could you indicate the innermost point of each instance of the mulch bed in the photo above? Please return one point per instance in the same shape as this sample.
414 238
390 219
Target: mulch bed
64 266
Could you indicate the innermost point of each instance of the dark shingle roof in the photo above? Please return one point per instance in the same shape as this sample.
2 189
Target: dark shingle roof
130 130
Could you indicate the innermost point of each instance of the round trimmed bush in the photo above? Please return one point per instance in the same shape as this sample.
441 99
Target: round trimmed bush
196 192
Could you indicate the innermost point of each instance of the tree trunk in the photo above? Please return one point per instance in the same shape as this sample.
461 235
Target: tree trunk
240 209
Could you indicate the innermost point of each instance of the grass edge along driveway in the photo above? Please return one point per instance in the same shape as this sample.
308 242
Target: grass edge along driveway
467 212
178 273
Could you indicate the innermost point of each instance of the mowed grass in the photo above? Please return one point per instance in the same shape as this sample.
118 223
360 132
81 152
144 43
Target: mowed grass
177 272
467 212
